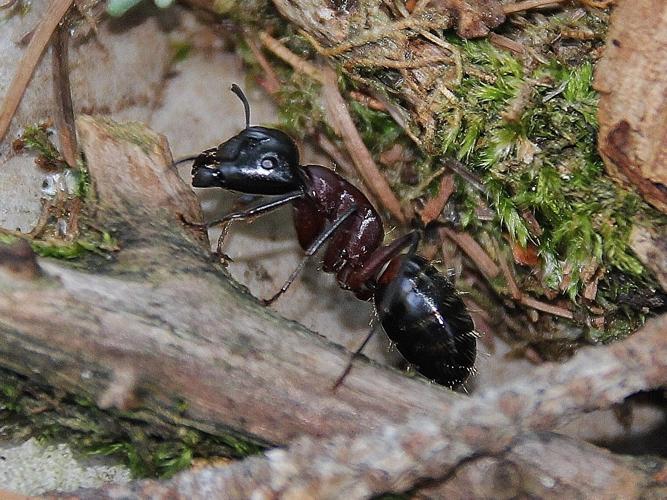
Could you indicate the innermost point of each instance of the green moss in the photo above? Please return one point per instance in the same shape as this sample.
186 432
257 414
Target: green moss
299 112
28 409
101 244
133 132
543 160
180 50
378 130
37 139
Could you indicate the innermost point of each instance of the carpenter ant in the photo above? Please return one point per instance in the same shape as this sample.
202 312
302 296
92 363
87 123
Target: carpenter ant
418 307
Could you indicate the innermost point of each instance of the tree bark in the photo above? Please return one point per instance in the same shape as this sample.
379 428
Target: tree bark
486 438
632 80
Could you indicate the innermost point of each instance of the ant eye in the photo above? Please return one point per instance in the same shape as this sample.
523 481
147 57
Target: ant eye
269 163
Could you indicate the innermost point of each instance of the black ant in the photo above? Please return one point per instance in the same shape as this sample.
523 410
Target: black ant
418 307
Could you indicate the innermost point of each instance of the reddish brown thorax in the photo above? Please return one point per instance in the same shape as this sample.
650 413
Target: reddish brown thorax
327 197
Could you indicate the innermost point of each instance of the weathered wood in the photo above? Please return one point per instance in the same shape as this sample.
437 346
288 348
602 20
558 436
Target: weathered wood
547 465
429 450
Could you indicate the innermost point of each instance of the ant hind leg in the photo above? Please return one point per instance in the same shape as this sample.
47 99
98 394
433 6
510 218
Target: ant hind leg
356 353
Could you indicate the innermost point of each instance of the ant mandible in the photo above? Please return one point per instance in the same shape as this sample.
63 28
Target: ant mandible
417 306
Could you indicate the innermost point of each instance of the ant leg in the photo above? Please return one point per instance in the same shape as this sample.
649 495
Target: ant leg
356 353
312 250
251 213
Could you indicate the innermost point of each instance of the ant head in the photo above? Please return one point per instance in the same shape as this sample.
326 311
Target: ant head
258 160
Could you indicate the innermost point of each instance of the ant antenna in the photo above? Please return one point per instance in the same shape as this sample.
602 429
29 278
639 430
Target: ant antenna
246 106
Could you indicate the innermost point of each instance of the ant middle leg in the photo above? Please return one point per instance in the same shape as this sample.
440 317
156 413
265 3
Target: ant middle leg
312 250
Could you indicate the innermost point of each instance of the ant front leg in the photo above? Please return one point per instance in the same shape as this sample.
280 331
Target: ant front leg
251 213
312 250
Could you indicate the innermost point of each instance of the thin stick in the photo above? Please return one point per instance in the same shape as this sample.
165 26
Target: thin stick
476 253
515 291
272 82
64 118
548 308
40 39
385 62
368 101
290 57
342 122
334 153
434 207
507 43
374 35
529 4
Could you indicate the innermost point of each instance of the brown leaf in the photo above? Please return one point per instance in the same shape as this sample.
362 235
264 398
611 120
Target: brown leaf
525 256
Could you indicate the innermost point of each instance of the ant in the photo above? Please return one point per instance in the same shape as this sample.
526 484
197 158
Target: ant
417 306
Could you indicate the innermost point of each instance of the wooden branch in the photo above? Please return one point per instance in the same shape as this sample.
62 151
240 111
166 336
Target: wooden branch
397 458
535 465
548 465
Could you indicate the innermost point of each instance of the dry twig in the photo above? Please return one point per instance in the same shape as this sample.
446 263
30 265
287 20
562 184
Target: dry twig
511 8
40 39
298 63
64 117
271 82
435 205
476 253
340 119
335 154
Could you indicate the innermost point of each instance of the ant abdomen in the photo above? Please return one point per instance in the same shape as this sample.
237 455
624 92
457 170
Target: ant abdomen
424 316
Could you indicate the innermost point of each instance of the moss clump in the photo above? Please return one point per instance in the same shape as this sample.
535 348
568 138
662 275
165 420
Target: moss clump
543 160
158 449
66 203
37 139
